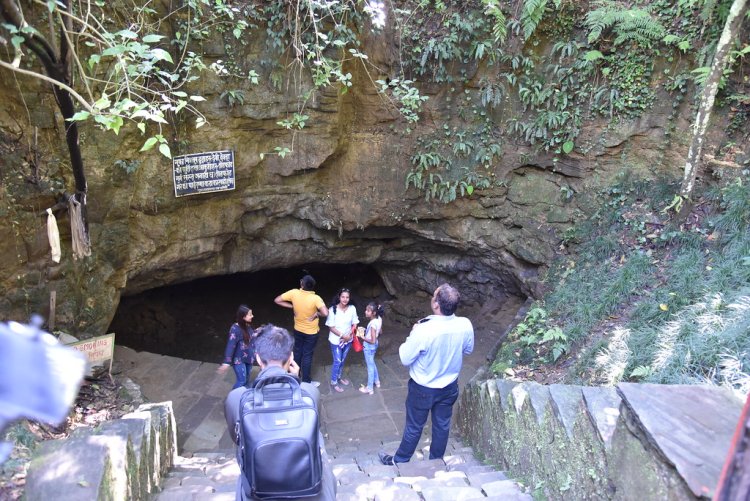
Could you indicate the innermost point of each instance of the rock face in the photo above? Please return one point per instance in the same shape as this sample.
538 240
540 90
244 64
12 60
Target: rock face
636 441
338 198
121 459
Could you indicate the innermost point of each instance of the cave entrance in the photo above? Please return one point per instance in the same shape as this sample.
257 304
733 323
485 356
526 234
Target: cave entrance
191 320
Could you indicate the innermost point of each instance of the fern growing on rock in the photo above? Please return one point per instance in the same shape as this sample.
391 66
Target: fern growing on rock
628 24
531 16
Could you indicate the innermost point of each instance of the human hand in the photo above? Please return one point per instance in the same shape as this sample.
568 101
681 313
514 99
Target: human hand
293 368
222 368
315 315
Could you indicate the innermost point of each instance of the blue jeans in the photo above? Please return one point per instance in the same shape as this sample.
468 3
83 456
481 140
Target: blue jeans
372 369
242 372
339 355
304 346
421 401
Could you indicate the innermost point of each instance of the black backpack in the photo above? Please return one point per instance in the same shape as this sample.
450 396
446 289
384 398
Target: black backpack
277 434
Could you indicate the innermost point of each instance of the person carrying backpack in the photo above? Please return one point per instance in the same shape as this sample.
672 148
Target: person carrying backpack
274 423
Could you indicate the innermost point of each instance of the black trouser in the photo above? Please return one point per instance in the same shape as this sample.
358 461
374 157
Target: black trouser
304 346
421 401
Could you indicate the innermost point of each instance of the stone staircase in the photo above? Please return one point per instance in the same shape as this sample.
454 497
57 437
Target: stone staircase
204 476
636 441
359 475
630 442
355 427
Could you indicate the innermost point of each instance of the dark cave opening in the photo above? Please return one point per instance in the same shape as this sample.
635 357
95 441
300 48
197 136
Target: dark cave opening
191 319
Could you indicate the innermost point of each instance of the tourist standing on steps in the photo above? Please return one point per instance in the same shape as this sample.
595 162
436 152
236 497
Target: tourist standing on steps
434 353
342 322
374 312
307 307
274 356
239 351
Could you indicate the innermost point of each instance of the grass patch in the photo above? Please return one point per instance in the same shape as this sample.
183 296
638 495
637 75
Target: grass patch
639 297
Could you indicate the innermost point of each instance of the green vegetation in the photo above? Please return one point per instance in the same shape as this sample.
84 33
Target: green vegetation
639 296
640 299
532 339
530 71
464 158
117 66
439 38
538 80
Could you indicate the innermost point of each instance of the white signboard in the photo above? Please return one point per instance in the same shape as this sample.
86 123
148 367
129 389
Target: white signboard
97 349
203 173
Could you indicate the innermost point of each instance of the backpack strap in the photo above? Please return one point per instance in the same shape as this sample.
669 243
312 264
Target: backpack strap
240 452
260 384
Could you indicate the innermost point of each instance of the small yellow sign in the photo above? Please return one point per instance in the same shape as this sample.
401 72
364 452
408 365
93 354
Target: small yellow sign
97 349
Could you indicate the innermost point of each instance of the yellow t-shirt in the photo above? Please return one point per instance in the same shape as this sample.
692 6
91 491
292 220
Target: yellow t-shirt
306 304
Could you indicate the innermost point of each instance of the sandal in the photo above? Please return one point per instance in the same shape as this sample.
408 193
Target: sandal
337 388
365 389
343 381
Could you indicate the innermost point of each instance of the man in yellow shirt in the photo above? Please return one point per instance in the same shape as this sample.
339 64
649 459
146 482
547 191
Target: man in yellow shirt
307 307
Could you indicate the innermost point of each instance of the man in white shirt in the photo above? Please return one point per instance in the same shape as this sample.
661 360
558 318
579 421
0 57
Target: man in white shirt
434 354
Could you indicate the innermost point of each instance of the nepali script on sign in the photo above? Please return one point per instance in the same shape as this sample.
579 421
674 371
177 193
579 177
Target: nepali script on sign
97 349
203 173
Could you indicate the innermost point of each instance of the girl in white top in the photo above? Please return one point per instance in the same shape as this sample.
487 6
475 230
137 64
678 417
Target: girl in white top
374 312
342 322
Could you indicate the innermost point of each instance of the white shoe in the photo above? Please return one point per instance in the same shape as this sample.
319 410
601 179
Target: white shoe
315 383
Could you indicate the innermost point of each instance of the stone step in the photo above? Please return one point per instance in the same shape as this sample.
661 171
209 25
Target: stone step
359 476
590 435
563 404
134 363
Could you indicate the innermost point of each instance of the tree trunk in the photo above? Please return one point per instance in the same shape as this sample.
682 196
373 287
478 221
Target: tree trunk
728 37
57 67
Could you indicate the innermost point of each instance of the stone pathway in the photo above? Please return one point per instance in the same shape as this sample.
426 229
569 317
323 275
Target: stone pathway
355 426
459 476
197 392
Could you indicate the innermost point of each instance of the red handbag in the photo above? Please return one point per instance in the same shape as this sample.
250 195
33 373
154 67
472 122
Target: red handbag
356 344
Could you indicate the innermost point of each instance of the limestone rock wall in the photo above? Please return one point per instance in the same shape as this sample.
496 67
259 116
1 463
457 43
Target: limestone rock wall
636 441
338 198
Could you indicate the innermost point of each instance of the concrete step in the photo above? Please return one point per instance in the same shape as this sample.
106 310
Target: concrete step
359 476
355 426
209 476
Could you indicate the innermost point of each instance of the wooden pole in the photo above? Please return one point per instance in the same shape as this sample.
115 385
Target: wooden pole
52 305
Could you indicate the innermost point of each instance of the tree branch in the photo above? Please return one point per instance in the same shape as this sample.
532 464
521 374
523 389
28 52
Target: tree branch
58 74
12 13
40 76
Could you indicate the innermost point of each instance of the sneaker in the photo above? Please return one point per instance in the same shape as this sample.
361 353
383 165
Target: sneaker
337 388
365 389
377 384
315 383
386 459
343 381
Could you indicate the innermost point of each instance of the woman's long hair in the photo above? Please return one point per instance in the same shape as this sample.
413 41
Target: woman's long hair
240 319
337 298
